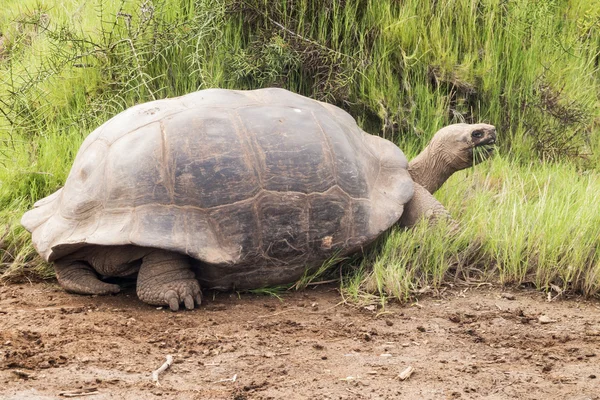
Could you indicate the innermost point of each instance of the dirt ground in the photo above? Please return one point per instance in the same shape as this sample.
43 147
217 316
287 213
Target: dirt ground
468 344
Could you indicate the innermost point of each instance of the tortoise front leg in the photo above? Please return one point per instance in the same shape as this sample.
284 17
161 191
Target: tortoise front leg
166 277
424 205
79 277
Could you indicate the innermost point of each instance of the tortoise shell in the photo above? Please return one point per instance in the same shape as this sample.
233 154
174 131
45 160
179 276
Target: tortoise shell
257 186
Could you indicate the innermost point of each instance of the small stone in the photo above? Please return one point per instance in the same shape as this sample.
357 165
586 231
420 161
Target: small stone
455 318
543 319
547 368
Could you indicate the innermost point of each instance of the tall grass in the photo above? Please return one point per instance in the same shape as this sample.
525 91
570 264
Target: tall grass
403 69
537 224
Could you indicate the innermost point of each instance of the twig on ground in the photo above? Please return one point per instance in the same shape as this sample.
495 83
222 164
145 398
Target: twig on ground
232 379
163 367
333 306
80 392
404 375
275 314
355 393
272 355
558 290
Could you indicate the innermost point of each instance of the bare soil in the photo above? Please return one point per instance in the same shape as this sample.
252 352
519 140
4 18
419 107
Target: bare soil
463 343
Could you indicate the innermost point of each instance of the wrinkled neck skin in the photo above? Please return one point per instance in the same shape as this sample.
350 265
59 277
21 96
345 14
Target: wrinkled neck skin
434 165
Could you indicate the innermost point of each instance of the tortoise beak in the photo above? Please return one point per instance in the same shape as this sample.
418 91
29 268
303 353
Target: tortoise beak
491 137
489 140
486 146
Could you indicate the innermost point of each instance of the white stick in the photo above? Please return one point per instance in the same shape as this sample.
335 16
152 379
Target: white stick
79 394
232 379
404 375
166 365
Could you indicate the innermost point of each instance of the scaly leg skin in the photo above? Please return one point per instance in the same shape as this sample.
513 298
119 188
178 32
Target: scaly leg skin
79 277
424 206
166 277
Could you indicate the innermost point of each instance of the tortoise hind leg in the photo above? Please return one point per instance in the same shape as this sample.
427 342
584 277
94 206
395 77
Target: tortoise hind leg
166 277
79 277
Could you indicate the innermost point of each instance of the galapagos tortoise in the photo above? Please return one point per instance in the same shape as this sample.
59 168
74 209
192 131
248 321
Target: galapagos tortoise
233 189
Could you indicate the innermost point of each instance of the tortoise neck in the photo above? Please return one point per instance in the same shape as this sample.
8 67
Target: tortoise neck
430 168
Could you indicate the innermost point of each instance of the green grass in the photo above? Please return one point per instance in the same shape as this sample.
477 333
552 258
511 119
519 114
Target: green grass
403 69
536 224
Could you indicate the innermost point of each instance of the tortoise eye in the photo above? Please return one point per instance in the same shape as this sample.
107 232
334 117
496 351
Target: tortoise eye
477 134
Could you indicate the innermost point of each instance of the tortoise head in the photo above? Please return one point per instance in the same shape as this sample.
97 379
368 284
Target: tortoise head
464 145
451 149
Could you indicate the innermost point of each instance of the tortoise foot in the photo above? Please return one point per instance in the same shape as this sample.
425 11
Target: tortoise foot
165 278
186 292
79 277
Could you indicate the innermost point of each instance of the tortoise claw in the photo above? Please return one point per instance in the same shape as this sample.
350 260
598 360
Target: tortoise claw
189 302
173 299
173 304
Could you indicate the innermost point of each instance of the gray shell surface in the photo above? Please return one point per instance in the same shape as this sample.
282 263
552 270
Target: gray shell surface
257 186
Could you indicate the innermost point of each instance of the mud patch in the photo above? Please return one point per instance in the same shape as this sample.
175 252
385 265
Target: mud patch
478 344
